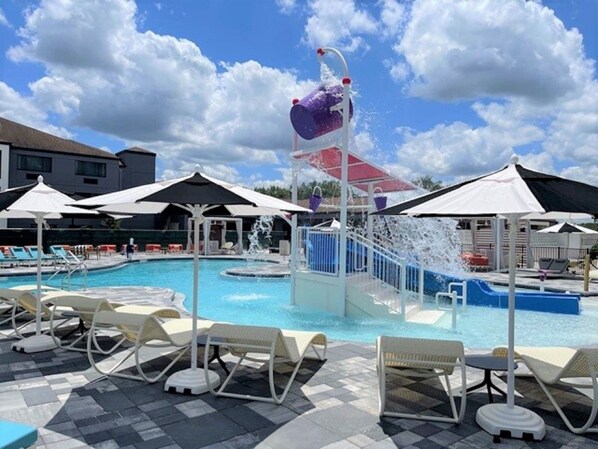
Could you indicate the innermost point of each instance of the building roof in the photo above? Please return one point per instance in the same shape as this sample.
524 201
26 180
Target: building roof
21 136
137 150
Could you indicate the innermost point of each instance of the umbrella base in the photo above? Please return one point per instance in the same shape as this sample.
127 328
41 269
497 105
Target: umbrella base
35 343
517 422
191 381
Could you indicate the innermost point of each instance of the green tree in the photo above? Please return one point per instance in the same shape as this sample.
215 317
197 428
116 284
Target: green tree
426 182
330 189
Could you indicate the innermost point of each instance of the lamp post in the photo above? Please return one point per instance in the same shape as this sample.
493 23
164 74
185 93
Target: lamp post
346 81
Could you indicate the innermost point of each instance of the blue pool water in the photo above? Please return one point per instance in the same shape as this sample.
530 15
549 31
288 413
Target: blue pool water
267 302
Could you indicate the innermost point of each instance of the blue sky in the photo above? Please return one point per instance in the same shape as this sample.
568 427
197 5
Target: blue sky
446 88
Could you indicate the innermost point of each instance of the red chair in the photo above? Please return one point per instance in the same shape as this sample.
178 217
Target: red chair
174 248
153 248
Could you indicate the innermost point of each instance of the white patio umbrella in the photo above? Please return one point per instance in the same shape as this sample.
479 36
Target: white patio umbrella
567 228
513 192
39 202
197 194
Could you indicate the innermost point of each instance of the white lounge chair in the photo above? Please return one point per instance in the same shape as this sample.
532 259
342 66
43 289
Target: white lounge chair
264 344
74 305
569 367
24 302
143 331
422 358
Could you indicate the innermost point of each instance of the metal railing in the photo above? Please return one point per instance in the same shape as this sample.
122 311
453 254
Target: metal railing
69 266
375 269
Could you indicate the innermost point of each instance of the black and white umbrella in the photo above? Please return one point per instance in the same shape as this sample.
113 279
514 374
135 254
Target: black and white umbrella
198 194
40 202
511 192
567 228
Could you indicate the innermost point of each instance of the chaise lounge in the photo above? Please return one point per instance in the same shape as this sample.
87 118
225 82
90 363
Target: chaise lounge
264 344
420 358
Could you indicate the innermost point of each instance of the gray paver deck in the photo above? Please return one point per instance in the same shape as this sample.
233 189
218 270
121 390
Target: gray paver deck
331 404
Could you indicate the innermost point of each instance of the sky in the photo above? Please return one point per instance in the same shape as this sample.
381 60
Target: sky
446 88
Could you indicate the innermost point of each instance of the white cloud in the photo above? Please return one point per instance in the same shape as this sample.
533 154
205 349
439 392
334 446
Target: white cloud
458 149
3 19
587 174
392 16
56 94
338 23
286 6
510 48
152 90
15 107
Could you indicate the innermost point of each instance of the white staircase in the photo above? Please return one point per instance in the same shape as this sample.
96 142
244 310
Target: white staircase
379 282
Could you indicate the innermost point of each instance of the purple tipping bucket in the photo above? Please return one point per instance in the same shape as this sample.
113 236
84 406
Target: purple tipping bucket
380 202
315 199
311 117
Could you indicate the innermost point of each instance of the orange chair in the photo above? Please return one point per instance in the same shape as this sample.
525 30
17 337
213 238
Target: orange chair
153 248
107 249
174 248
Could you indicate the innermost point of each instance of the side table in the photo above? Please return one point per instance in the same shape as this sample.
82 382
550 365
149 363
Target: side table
488 363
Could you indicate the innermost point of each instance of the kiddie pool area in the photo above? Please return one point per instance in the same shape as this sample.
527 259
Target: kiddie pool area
267 302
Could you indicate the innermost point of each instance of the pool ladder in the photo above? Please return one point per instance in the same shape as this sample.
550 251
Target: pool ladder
454 297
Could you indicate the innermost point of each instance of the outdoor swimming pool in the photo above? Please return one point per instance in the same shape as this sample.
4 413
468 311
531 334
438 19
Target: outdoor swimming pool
266 302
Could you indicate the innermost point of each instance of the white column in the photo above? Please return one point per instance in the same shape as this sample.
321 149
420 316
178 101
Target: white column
294 255
342 272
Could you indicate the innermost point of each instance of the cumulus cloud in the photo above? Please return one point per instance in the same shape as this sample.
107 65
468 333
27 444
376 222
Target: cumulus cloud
393 16
338 23
458 149
518 54
286 6
587 174
152 90
463 49
15 107
3 19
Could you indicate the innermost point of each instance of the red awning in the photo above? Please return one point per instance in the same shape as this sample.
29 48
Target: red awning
361 172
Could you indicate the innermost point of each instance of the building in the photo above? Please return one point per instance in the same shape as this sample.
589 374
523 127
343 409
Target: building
74 168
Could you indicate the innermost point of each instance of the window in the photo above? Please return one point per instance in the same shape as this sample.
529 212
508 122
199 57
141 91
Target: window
90 181
84 168
34 163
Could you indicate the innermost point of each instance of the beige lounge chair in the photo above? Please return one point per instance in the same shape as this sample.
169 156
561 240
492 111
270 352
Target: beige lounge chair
564 366
422 358
264 344
24 302
143 331
74 305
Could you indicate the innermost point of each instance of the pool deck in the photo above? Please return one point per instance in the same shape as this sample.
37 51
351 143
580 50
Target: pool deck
332 404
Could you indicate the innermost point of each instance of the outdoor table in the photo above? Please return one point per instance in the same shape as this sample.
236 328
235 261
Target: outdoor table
201 342
488 363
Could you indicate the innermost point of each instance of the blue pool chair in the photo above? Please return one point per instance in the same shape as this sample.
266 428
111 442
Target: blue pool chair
16 436
7 260
21 255
33 253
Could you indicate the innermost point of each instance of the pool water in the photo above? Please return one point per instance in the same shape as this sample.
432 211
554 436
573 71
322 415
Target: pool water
267 302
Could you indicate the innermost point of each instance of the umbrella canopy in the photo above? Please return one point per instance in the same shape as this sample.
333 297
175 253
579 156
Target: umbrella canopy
198 194
40 202
513 191
567 228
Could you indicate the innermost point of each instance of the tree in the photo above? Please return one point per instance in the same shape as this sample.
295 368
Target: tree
426 182
330 189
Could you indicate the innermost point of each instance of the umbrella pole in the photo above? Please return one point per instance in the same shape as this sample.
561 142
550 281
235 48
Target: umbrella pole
37 342
194 380
509 420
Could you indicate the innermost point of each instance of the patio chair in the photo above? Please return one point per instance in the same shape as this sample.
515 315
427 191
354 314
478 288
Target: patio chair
22 256
264 344
26 303
7 260
16 435
32 250
143 331
420 358
63 255
569 367
8 303
552 266
84 308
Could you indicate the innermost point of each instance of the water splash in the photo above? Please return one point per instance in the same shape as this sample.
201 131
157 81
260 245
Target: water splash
261 234
432 242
